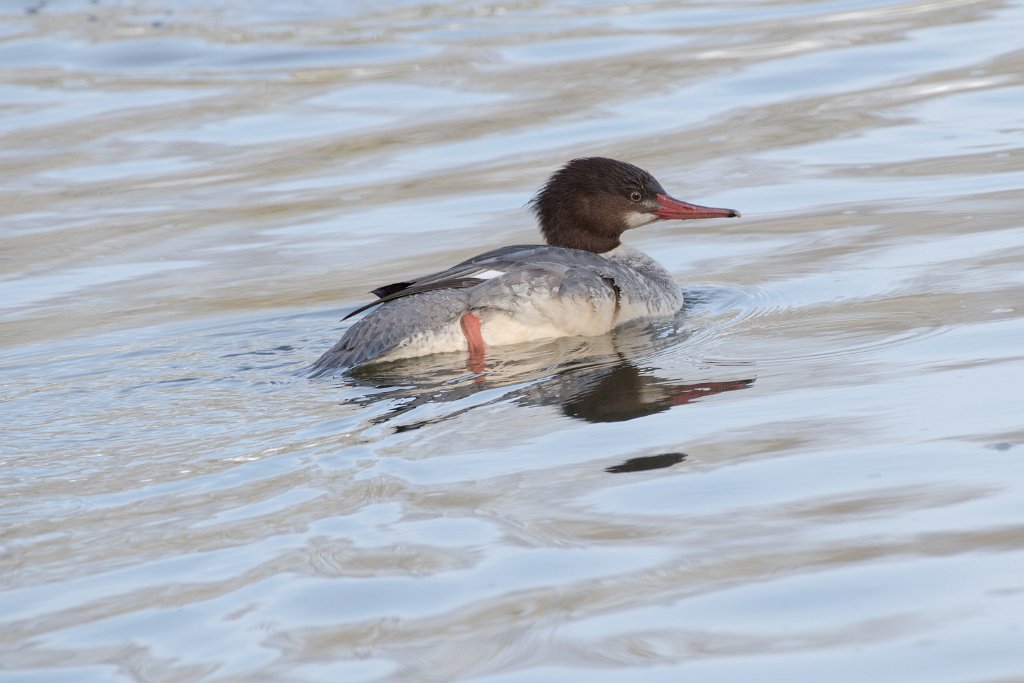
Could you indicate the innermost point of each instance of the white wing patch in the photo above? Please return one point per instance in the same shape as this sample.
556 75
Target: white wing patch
488 274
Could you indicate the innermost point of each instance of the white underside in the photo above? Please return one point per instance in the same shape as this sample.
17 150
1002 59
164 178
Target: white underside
502 329
499 331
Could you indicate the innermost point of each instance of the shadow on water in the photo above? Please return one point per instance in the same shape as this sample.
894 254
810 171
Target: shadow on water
649 462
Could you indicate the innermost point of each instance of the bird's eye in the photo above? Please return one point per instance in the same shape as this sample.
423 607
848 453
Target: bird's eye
634 196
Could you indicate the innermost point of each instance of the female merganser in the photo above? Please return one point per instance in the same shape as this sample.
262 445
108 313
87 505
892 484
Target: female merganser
584 282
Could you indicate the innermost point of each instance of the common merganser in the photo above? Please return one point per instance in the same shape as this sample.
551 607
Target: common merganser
584 282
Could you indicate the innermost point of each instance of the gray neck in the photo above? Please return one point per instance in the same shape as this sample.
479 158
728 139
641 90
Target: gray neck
646 283
637 260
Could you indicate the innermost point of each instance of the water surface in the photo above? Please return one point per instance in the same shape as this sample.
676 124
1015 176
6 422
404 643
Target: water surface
815 469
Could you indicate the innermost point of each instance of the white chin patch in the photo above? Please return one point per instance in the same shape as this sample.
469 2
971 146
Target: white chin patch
634 219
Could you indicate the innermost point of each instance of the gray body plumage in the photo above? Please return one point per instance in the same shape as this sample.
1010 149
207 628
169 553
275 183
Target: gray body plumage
578 291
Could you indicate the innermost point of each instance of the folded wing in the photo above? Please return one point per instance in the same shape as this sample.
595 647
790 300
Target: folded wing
480 269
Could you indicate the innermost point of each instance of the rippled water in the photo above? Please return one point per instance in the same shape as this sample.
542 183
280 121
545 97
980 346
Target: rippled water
815 472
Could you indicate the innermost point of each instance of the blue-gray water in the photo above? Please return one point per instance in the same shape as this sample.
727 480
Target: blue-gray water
817 473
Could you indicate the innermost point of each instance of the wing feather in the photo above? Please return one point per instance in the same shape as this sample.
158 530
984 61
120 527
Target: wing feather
484 267
415 288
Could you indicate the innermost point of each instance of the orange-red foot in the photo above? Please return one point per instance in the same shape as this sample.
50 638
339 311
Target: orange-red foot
471 328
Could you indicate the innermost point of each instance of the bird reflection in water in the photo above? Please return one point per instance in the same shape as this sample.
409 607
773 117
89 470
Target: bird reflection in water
625 392
612 378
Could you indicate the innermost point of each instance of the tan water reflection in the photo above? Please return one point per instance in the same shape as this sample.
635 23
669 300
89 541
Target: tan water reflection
194 194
